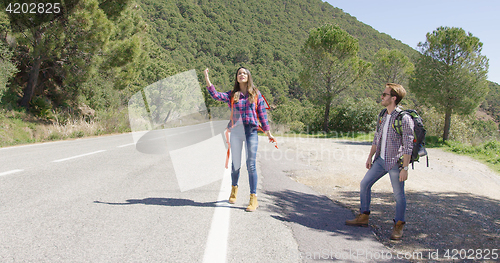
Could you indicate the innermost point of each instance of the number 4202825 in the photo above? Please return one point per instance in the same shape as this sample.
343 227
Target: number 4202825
34 8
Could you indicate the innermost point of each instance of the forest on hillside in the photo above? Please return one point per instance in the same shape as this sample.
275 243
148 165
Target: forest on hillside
95 54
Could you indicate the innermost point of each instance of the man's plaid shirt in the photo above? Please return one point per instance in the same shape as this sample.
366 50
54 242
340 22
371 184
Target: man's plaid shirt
244 107
396 145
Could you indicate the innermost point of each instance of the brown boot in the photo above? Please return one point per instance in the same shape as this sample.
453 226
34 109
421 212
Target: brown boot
360 220
253 203
234 193
397 230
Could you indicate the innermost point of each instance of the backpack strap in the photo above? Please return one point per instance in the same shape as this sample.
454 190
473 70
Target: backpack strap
398 122
227 133
228 147
379 119
257 112
232 112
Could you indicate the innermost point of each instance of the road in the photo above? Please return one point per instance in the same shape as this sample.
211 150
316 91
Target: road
102 200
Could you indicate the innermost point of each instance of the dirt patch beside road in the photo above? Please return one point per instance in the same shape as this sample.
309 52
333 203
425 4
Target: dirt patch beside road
452 206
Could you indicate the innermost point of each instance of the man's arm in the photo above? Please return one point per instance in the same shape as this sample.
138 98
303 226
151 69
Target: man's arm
369 161
407 128
403 174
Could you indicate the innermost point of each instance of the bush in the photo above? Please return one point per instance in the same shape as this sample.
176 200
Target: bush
355 116
349 116
464 129
7 68
77 134
113 121
296 126
41 107
298 116
288 112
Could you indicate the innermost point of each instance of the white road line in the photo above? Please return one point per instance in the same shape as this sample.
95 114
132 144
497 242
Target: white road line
78 156
216 248
30 145
125 145
11 172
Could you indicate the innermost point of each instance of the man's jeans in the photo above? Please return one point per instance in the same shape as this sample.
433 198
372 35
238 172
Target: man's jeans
246 133
373 175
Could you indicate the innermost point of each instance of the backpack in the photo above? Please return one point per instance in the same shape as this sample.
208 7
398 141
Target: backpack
418 133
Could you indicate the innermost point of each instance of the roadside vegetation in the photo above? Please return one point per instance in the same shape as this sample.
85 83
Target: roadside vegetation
487 152
71 75
18 127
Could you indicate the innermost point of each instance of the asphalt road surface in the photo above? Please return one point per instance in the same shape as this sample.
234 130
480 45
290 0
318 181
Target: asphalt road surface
103 200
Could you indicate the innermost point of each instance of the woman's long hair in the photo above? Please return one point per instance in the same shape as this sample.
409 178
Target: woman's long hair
252 90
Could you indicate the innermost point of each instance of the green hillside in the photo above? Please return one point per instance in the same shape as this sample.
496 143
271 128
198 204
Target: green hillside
138 42
264 35
492 102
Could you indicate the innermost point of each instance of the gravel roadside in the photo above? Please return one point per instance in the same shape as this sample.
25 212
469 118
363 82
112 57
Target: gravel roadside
453 206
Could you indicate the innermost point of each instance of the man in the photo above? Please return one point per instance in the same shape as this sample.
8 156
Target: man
389 148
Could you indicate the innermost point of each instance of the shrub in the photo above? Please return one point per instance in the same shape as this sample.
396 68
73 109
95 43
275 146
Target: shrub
355 116
298 116
465 129
7 68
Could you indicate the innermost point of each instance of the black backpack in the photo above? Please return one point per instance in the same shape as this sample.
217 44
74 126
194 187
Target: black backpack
418 133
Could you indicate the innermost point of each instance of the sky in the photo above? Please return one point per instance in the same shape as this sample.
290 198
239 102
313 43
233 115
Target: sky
410 21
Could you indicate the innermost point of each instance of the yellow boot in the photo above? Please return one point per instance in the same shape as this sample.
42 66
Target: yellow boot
253 203
234 193
397 230
360 220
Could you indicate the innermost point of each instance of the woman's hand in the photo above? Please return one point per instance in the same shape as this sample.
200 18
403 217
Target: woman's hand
272 139
207 79
270 136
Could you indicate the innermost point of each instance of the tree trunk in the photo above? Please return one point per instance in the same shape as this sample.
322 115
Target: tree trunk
29 91
327 114
32 82
447 124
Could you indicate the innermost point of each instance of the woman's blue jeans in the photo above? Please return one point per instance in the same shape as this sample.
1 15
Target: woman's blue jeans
373 175
239 134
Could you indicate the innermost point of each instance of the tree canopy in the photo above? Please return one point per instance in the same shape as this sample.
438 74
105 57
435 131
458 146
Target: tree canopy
392 66
451 73
58 52
330 65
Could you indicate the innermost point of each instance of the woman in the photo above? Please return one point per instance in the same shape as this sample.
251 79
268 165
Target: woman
247 106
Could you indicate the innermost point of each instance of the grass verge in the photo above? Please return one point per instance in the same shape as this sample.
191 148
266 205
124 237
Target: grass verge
487 152
20 128
354 136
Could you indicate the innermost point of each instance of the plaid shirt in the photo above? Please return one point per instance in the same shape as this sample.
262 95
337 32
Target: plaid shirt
244 107
396 145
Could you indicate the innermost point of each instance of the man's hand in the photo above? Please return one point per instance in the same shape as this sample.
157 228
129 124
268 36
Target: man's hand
369 163
403 175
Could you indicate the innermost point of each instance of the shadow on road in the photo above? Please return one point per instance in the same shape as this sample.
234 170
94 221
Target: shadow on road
171 202
435 221
445 220
314 211
162 201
